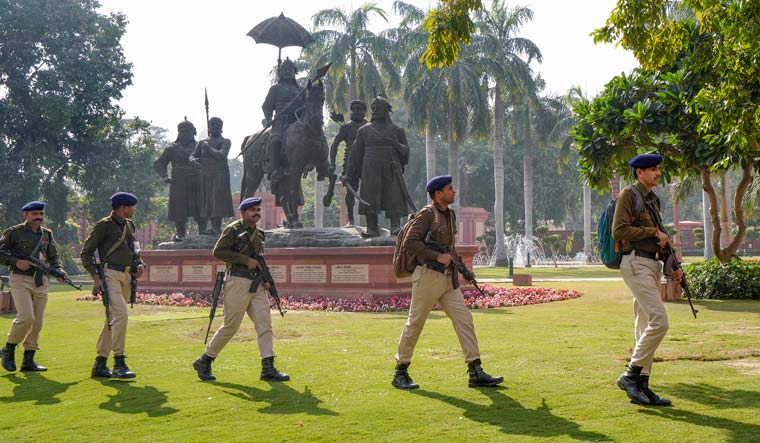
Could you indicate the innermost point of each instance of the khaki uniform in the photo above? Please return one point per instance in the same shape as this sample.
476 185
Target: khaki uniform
641 274
118 266
29 288
430 287
234 247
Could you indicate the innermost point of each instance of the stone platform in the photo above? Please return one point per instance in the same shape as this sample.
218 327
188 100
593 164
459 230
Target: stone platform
329 262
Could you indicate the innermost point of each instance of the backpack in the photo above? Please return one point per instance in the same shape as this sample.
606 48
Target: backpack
404 262
611 251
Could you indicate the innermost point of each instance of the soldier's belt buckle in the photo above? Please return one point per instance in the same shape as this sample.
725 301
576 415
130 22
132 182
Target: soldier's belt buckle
447 271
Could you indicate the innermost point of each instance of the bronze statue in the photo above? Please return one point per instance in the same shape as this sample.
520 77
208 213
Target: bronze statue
285 101
184 184
347 134
216 198
378 158
304 149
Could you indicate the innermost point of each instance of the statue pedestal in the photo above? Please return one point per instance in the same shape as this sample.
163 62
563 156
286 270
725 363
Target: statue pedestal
362 270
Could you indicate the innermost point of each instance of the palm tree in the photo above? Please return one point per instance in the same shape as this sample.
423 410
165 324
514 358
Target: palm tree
361 60
511 73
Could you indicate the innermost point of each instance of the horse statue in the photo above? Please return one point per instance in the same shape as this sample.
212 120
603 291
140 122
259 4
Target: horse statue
304 147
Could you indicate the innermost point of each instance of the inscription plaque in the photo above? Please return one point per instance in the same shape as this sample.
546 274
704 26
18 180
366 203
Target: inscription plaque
345 273
308 274
164 273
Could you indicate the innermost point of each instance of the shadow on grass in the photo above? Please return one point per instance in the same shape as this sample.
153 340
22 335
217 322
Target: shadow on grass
281 397
738 431
715 396
727 305
513 418
131 399
35 387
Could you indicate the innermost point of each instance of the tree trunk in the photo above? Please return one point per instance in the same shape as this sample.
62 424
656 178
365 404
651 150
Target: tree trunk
725 219
725 254
430 151
528 174
587 220
453 154
500 251
707 226
353 92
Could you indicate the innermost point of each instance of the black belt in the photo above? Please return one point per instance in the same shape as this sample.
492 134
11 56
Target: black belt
116 267
438 267
241 273
645 254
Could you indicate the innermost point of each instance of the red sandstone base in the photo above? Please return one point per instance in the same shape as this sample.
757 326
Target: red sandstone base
365 272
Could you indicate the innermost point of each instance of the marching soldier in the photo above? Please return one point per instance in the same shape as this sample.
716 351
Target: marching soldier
431 285
642 271
347 134
29 286
237 245
113 239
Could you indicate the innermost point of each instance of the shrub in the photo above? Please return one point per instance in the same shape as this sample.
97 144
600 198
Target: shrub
735 280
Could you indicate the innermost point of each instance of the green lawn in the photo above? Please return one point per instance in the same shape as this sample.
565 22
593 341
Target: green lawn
550 272
560 361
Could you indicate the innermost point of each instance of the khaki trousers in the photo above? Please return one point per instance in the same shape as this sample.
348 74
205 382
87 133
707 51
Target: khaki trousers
114 339
238 302
428 288
642 275
30 304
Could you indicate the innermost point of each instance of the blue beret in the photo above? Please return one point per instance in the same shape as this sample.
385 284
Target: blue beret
249 203
123 199
33 206
437 183
644 161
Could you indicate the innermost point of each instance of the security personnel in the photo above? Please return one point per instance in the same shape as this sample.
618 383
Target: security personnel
642 272
431 285
113 239
235 247
29 286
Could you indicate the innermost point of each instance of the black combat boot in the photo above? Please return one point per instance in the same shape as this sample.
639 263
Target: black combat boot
401 378
270 373
120 369
29 365
202 366
654 399
630 382
479 377
100 369
8 354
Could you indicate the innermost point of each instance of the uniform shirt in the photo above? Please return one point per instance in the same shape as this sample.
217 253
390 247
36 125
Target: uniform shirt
235 243
105 234
445 234
642 234
22 239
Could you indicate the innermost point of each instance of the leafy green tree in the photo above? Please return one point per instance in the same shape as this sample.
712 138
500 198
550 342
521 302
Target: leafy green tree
62 70
504 63
450 26
361 60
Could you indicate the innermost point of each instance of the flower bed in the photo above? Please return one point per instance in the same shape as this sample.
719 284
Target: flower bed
495 297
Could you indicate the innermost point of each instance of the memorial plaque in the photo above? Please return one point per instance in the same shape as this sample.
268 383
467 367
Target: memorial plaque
164 273
197 273
278 273
308 274
349 273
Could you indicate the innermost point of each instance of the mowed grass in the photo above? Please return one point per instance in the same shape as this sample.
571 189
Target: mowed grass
560 361
550 272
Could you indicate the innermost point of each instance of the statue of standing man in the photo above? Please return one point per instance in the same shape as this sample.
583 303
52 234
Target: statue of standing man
378 158
347 134
216 197
184 184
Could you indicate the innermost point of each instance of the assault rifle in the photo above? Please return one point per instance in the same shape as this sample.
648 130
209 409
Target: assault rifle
264 276
214 301
42 266
457 266
104 292
668 256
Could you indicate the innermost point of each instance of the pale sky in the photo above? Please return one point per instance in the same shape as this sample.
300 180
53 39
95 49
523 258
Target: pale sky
179 47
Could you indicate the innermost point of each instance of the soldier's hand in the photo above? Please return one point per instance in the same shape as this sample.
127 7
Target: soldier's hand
267 285
444 259
97 285
62 279
140 270
662 238
24 264
677 276
253 264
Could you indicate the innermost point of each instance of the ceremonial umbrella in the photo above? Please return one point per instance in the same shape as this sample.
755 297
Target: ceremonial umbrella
280 31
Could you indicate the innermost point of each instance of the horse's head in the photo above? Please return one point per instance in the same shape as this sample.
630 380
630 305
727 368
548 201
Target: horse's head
315 92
